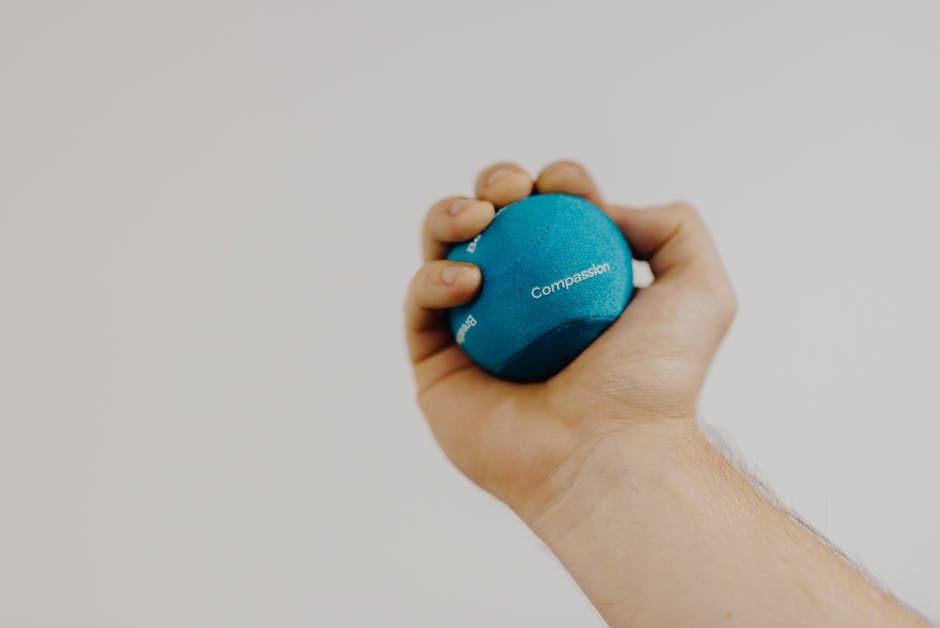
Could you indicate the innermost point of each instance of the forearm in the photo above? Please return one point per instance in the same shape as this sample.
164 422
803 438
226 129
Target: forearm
660 530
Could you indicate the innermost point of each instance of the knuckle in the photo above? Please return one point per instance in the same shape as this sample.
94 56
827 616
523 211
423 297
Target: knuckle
412 288
685 211
428 271
726 304
426 224
421 277
411 291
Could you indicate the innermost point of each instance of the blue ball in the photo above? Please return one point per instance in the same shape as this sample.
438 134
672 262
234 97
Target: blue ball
556 273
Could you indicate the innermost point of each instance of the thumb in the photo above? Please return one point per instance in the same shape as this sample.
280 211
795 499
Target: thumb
680 251
672 238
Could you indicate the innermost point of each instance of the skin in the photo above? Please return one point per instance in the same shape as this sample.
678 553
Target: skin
605 461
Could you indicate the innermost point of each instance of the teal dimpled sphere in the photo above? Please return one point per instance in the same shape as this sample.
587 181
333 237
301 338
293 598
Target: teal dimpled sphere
556 273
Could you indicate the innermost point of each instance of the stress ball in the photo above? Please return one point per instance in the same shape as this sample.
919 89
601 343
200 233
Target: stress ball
556 273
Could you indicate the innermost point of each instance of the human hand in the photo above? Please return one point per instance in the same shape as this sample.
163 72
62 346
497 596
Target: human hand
604 461
522 442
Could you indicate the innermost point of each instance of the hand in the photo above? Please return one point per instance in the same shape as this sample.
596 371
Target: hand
604 461
522 442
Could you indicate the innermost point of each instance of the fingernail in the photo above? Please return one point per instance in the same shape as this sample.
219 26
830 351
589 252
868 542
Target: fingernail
450 274
458 206
496 175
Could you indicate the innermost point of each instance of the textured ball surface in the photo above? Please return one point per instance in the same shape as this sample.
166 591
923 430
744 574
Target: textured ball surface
556 273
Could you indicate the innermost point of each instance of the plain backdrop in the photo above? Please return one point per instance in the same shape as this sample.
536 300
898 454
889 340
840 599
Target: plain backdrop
209 213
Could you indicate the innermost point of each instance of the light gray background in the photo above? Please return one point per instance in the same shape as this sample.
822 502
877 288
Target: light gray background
209 214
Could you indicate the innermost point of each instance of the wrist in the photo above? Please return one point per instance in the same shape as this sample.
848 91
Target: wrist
613 456
659 529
